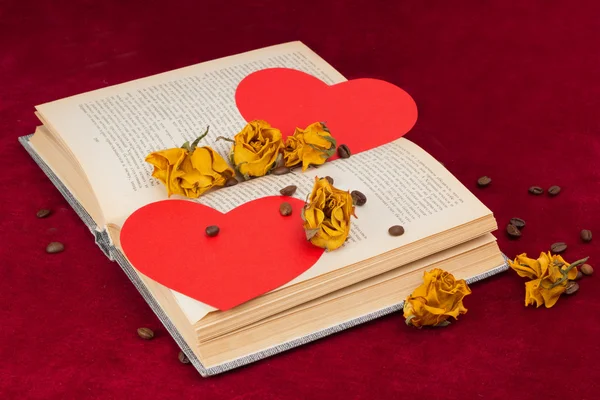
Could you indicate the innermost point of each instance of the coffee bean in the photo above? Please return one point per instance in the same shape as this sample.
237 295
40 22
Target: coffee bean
55 247
579 275
329 179
518 222
587 269
212 230
43 213
536 190
145 333
343 151
358 198
281 171
553 190
396 230
484 181
586 235
558 247
288 190
513 231
285 209
572 287
231 182
183 358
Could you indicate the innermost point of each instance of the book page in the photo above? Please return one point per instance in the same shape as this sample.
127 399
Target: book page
403 184
111 130
54 155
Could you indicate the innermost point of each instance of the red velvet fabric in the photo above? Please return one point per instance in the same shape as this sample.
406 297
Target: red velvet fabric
509 89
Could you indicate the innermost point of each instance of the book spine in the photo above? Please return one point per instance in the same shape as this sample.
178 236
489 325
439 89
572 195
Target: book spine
103 241
100 236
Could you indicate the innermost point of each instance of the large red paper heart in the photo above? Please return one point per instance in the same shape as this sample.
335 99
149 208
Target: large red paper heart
257 249
361 113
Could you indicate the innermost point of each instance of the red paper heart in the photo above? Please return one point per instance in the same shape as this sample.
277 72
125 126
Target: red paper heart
361 113
257 249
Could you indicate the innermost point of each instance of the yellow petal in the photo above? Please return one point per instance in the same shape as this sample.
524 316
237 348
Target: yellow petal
526 267
532 293
311 156
291 157
210 163
329 238
422 314
556 258
242 154
435 314
220 165
168 156
166 164
201 160
551 295
572 274
314 218
315 135
160 174
545 262
423 289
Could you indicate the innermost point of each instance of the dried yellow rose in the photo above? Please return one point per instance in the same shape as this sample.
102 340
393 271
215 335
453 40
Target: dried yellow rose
327 215
256 148
310 146
189 171
549 276
437 299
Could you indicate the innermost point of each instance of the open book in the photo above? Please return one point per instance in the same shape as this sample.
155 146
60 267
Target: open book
93 147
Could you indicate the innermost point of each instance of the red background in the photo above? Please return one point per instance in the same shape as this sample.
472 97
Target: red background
508 89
